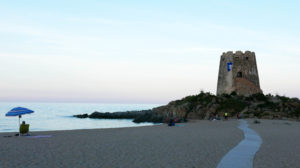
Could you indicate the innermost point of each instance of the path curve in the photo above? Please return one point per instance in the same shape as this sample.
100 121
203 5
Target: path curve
243 154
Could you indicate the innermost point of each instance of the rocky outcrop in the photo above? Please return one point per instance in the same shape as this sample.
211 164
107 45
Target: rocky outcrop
137 116
81 116
206 105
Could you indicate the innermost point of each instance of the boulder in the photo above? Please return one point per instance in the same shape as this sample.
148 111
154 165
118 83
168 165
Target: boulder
81 116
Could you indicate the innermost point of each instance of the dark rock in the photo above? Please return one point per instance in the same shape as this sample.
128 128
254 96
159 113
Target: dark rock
82 116
149 117
137 116
256 122
119 115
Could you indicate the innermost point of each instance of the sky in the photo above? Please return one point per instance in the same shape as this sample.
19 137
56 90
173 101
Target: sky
125 51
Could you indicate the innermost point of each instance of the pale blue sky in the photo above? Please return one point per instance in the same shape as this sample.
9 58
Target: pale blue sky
141 52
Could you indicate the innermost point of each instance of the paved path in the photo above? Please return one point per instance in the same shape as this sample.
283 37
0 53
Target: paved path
243 154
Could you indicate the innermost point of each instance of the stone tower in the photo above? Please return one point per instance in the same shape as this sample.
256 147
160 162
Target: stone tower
238 73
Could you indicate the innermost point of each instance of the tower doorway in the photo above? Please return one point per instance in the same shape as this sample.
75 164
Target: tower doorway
239 74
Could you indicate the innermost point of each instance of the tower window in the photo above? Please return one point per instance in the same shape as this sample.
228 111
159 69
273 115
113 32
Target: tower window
247 58
229 65
239 74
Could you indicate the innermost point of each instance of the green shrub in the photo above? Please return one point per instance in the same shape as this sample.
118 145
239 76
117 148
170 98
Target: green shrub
283 98
236 105
194 99
269 105
259 97
257 114
233 93
226 95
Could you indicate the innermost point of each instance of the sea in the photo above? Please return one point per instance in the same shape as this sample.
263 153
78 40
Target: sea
59 116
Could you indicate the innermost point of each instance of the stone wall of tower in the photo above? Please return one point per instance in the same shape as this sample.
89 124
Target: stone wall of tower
242 77
225 83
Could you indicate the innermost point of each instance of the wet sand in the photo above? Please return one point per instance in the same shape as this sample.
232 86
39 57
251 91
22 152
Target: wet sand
281 144
193 144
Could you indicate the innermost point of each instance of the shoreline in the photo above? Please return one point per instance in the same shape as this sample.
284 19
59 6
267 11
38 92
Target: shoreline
156 124
30 132
129 127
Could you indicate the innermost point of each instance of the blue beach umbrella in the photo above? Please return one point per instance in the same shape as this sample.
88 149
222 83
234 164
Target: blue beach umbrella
18 111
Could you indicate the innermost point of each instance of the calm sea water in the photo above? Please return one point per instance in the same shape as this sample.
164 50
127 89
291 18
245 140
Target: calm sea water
58 116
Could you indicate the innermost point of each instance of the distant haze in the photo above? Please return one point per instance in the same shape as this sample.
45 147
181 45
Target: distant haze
141 52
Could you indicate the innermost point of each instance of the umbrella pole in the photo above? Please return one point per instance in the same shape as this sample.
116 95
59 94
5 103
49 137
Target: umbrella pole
19 125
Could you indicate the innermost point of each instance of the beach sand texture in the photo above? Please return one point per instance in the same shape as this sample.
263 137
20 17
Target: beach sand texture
281 144
193 144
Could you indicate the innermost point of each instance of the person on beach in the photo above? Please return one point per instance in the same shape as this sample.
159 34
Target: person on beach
171 122
210 117
24 128
217 117
248 104
226 116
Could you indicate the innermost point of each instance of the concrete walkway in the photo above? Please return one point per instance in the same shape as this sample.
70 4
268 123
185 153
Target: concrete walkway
243 154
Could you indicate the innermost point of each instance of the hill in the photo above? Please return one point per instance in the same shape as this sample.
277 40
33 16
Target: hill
206 105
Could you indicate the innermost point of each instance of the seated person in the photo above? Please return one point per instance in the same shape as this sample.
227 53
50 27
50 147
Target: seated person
171 122
24 128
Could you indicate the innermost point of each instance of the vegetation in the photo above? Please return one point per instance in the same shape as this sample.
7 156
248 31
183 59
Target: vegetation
232 104
259 105
202 97
204 105
297 112
257 97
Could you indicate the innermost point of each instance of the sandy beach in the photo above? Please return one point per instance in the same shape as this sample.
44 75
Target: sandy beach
280 147
193 144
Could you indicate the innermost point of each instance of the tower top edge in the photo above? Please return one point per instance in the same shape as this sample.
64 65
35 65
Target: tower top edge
238 52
